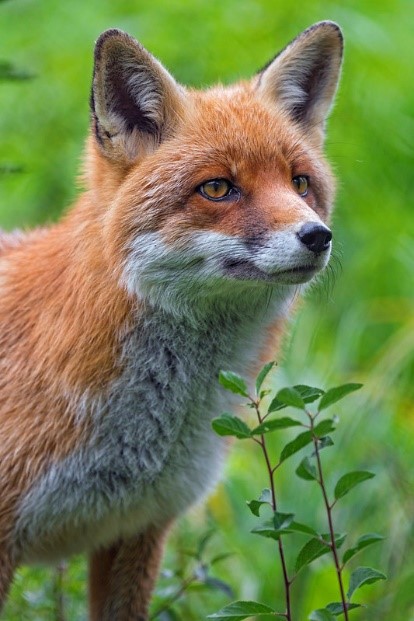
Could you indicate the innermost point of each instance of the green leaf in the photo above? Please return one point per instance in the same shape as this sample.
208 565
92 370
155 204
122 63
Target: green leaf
339 539
315 548
237 611
307 470
297 527
324 427
228 425
273 528
264 393
361 576
276 405
221 557
286 397
322 614
219 585
273 425
282 521
263 374
349 481
233 382
265 498
290 396
308 393
266 529
363 542
283 524
337 608
325 442
335 394
298 443
203 542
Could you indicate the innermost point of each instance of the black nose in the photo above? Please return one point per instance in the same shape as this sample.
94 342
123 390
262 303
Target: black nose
315 236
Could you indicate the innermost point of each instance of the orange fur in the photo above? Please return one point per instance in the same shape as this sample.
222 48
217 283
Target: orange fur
117 570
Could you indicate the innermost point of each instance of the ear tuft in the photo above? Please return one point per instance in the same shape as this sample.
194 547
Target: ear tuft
134 100
303 78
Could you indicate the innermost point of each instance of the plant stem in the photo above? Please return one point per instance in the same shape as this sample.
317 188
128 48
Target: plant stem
58 588
328 508
182 588
271 471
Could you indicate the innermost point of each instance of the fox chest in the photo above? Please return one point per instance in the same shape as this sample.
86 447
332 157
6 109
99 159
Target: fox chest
153 452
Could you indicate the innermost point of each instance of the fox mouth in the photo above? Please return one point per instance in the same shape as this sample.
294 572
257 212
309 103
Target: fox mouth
242 269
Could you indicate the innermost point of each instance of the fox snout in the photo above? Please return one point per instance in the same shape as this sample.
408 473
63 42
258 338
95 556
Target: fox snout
289 256
315 236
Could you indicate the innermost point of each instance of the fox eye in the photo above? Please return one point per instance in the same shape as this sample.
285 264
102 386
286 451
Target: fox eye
216 189
301 184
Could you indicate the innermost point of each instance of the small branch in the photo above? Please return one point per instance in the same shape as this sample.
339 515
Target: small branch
271 471
279 463
176 596
263 418
328 508
58 592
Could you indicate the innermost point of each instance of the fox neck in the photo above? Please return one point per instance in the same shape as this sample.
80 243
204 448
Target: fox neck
178 358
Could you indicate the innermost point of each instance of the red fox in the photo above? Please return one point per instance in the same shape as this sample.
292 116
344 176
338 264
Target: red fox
203 215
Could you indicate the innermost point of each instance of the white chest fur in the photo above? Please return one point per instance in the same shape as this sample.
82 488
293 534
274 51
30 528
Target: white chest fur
153 452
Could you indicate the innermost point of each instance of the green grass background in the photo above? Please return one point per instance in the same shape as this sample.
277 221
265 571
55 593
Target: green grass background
359 329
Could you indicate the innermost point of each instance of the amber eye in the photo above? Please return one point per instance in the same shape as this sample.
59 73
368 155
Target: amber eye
216 189
301 184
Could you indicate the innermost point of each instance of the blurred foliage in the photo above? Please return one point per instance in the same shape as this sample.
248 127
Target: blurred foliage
357 326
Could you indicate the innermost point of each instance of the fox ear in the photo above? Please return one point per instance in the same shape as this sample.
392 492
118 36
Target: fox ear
302 79
135 102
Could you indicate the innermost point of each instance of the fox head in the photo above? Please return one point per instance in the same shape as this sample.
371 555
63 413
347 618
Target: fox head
212 193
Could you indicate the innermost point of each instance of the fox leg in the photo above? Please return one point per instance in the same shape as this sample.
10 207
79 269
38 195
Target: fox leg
122 577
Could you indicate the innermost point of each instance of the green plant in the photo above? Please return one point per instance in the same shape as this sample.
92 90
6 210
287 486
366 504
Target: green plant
315 432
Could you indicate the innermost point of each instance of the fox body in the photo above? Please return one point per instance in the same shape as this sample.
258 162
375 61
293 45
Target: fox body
203 215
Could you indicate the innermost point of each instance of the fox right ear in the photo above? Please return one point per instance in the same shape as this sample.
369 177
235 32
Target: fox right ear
135 102
302 79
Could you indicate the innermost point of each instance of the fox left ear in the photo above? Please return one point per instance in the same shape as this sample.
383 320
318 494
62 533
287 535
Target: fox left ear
303 78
